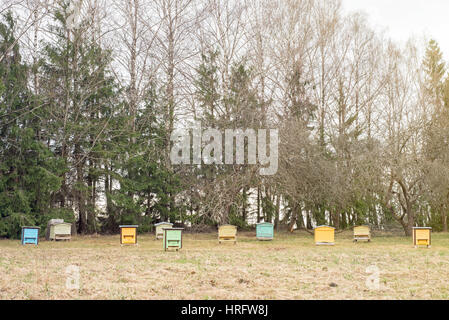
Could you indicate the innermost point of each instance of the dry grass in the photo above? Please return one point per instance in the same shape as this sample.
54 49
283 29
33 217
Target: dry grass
290 267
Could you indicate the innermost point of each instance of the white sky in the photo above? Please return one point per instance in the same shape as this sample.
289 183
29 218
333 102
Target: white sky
403 19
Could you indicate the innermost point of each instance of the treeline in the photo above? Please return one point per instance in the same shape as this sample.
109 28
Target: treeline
90 92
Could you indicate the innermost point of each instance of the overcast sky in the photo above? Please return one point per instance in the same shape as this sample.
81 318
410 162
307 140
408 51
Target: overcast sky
406 18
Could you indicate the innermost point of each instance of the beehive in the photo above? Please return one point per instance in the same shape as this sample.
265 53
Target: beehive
30 235
265 231
172 238
159 226
362 233
325 235
128 234
227 233
60 231
422 237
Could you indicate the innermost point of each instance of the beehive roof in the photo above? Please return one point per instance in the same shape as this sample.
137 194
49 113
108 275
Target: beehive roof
129 226
27 227
162 223
324 227
53 222
264 223
58 223
422 228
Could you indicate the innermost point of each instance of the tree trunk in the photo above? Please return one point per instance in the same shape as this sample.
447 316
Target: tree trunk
245 204
276 217
410 222
444 219
309 220
293 220
80 199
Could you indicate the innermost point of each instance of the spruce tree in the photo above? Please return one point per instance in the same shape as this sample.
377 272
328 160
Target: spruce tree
29 170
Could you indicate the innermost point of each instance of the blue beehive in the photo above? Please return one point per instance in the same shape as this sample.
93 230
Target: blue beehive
265 231
30 235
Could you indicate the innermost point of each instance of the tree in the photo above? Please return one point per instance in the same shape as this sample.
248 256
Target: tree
81 97
435 69
436 138
29 171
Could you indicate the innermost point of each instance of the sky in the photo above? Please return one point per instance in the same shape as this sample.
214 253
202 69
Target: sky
403 19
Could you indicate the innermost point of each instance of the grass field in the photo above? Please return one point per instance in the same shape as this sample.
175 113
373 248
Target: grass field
290 267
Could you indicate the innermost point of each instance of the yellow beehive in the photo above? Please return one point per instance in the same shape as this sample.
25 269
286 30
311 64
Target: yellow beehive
422 237
362 233
325 235
227 233
128 234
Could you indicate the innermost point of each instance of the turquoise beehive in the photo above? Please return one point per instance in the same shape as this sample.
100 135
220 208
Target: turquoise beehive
265 231
30 235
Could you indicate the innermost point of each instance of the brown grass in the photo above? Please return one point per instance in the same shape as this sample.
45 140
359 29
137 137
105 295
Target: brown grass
290 267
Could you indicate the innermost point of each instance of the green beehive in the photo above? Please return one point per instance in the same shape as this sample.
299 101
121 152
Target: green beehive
265 231
59 231
172 238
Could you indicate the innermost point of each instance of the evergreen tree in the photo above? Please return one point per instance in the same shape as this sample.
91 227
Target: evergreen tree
146 185
83 102
436 138
28 169
435 69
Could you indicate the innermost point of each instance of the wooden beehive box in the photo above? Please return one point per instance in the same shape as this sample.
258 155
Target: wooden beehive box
422 237
227 233
325 235
60 231
30 235
265 231
172 238
128 234
362 233
159 229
